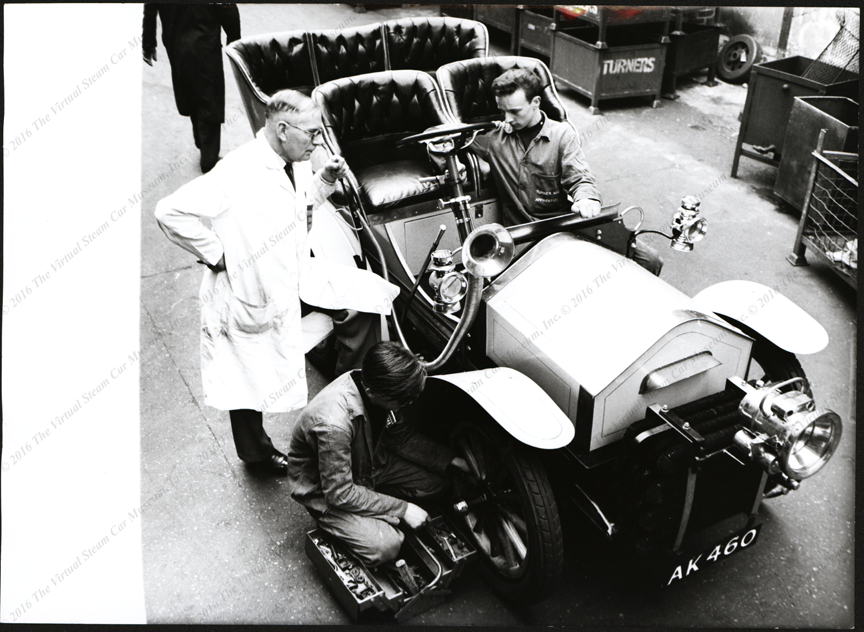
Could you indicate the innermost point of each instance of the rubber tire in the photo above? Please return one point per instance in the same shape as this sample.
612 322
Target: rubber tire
545 538
728 67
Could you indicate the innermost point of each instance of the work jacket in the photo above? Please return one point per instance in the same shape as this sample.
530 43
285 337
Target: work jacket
534 181
333 461
251 336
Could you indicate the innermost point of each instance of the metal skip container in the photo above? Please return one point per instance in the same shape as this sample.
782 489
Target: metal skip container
837 115
770 96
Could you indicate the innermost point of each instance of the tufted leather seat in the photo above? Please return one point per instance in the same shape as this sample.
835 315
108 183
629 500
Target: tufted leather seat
428 43
365 116
467 88
346 52
265 64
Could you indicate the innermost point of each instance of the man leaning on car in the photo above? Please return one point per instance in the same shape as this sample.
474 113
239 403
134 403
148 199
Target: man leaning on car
538 164
258 202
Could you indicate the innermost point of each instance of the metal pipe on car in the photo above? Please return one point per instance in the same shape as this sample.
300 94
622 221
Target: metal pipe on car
472 306
545 227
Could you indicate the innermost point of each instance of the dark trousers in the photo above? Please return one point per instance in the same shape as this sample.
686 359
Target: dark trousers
354 336
355 333
251 440
376 539
207 138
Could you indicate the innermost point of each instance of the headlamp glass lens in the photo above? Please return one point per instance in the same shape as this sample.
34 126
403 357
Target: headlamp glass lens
813 447
696 230
452 288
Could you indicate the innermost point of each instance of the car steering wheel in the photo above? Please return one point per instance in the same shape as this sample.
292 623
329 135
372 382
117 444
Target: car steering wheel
462 135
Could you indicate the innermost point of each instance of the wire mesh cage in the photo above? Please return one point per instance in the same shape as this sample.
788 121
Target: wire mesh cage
839 60
829 222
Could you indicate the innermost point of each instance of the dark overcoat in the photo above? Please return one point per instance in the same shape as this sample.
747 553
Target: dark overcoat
192 35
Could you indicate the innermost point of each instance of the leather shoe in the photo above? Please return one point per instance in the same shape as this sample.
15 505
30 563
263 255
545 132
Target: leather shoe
276 464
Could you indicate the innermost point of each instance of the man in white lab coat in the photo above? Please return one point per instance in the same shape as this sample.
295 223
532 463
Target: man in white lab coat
258 200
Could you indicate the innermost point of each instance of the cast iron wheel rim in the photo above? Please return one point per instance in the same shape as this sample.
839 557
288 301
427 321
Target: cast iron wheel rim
732 58
497 525
730 65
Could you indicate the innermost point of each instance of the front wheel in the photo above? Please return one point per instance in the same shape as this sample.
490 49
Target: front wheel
507 508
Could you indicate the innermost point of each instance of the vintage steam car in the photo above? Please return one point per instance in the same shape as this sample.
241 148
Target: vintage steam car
697 412
555 357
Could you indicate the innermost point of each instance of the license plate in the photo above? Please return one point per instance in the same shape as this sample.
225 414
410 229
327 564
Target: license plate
721 550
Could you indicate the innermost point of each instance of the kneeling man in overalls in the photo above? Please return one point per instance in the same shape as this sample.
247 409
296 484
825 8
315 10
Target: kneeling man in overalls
357 466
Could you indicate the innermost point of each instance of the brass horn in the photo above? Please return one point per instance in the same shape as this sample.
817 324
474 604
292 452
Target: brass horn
488 250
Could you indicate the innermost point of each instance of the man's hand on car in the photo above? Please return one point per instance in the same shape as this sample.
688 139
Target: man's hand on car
586 208
414 516
334 168
460 464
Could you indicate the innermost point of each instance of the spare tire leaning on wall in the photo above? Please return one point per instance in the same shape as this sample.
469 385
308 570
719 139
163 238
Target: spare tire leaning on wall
737 57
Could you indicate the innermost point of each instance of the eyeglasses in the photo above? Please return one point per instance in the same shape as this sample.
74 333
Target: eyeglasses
311 133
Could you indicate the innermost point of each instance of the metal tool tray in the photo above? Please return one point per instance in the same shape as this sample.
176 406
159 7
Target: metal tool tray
437 566
332 574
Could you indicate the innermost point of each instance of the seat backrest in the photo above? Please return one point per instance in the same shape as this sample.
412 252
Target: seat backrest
367 114
275 61
467 87
425 43
345 52
266 64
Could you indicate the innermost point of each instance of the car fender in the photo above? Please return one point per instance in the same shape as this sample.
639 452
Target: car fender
519 405
767 312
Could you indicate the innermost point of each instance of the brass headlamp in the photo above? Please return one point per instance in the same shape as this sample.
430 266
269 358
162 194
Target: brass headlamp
447 284
687 227
788 434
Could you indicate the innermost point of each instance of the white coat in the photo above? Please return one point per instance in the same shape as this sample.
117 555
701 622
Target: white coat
251 337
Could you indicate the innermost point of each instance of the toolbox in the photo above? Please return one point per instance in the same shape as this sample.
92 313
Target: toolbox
429 560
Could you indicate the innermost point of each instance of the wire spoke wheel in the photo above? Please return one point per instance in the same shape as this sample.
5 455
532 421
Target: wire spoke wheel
508 509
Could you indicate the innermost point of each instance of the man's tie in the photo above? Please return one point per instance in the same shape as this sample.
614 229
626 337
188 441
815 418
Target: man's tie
289 170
